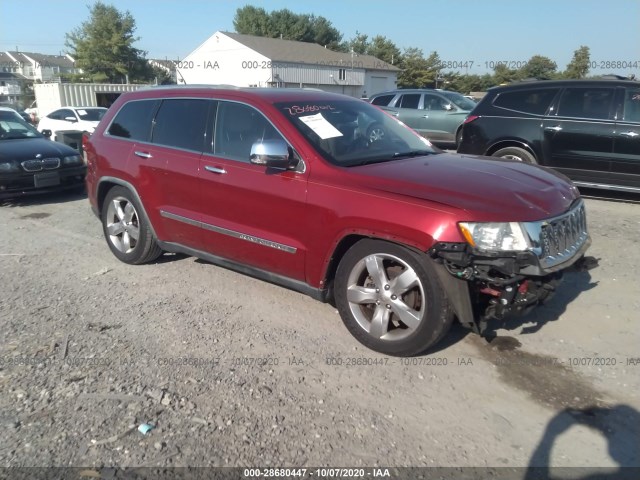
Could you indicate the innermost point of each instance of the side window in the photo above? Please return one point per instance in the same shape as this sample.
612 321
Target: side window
56 115
382 100
584 102
181 123
409 100
433 102
528 101
238 126
66 113
632 104
134 120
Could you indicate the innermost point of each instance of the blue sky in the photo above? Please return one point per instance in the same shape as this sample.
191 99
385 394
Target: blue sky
482 31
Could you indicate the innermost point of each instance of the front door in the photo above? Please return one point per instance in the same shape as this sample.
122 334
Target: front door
625 165
250 214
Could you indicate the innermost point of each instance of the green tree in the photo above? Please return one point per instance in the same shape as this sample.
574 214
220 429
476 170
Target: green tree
384 49
417 71
103 47
578 67
252 20
359 43
285 24
542 68
503 74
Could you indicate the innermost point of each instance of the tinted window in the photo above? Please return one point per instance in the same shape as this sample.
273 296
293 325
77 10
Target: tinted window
181 123
434 102
134 120
61 114
382 100
409 100
586 102
528 101
238 126
459 100
632 105
91 114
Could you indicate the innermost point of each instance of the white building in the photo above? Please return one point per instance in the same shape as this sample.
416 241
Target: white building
249 61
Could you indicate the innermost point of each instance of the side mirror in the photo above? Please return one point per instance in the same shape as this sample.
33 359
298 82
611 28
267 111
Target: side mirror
47 133
448 107
71 119
271 153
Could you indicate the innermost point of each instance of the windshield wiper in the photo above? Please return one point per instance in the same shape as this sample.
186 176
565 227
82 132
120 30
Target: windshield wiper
412 153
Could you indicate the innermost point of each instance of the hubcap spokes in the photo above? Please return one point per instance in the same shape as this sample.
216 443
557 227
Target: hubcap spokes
123 226
385 296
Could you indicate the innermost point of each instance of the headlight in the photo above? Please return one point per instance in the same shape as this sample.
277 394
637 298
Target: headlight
72 160
495 237
6 167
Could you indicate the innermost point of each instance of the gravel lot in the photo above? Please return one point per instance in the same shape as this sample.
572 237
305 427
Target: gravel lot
233 371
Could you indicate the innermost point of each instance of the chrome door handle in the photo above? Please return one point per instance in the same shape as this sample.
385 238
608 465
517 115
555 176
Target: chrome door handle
395 114
555 128
219 171
629 134
425 116
143 154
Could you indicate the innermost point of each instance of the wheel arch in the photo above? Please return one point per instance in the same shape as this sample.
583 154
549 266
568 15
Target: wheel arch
105 184
511 143
343 245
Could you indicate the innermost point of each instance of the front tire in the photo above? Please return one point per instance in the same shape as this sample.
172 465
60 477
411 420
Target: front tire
127 229
389 298
515 153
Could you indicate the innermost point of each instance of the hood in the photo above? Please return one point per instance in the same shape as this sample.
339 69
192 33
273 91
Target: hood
21 149
490 189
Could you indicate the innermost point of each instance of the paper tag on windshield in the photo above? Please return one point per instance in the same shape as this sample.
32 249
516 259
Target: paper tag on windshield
321 126
82 112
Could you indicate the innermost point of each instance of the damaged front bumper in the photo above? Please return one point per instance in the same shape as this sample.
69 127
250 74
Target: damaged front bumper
485 285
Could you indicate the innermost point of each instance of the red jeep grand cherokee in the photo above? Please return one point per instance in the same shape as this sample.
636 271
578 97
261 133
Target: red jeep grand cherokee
330 196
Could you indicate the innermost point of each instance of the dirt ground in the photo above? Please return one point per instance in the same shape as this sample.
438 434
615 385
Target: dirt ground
233 371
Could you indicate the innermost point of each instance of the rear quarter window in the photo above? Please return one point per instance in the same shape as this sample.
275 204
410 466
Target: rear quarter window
133 121
527 101
382 100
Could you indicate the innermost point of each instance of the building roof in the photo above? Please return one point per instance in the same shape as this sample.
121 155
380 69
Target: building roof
292 51
62 61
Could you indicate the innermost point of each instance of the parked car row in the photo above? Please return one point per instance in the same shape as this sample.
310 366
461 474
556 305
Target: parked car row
402 236
589 130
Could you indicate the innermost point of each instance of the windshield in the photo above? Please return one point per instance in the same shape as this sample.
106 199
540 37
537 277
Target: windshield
13 126
353 132
460 101
91 114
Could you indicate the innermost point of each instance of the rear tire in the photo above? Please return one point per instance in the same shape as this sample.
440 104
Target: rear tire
389 298
515 153
127 229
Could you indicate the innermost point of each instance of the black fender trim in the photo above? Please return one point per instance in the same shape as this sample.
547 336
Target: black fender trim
457 291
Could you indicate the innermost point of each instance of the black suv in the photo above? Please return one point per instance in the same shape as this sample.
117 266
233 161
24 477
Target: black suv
587 129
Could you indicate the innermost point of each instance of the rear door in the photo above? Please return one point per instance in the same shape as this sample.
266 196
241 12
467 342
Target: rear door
177 143
407 110
625 164
250 214
578 138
